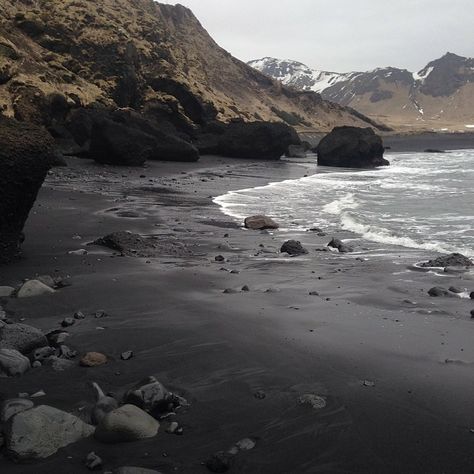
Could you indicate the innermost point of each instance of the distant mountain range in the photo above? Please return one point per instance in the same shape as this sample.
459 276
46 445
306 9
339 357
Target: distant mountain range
440 96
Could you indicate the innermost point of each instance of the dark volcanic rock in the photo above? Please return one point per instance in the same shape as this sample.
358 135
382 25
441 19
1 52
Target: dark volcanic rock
438 291
26 153
451 260
351 147
258 140
293 247
339 245
260 223
128 243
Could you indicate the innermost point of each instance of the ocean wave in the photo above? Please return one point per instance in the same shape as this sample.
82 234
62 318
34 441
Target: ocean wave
336 207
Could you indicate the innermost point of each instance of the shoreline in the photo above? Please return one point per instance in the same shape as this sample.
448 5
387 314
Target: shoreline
219 349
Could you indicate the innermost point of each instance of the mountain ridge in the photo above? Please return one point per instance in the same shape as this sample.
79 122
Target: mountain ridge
439 95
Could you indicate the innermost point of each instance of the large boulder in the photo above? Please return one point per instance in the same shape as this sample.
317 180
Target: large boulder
260 222
33 288
254 140
130 140
13 363
42 431
351 147
21 337
26 154
127 423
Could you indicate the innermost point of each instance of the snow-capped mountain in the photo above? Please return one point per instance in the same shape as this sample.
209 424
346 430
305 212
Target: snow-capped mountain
441 95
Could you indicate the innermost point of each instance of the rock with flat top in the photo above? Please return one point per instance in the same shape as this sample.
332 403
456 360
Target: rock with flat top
22 337
260 222
40 432
127 423
34 288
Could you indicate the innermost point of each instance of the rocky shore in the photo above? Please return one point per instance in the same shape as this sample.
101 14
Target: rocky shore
279 363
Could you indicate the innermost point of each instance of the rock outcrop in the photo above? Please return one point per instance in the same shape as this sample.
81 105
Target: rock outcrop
26 153
351 147
451 260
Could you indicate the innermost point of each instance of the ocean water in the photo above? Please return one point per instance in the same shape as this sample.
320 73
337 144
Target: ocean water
422 201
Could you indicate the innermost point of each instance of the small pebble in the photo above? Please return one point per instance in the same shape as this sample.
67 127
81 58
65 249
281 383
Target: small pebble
79 315
127 355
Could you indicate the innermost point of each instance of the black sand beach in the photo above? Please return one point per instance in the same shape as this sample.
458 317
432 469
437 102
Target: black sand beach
394 364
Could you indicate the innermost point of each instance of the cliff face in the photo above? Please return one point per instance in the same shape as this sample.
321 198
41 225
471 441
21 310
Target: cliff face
133 53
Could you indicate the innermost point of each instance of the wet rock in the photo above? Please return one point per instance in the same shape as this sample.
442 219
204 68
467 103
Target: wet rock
314 401
230 291
6 291
22 337
127 355
13 406
245 288
313 293
219 462
351 147
66 322
438 291
453 289
219 258
34 288
452 260
93 359
293 247
471 295
40 432
127 423
93 462
149 395
339 245
260 222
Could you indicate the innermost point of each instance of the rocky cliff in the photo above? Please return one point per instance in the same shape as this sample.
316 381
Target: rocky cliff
62 54
440 96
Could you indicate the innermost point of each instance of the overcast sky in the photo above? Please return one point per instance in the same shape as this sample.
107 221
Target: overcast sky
340 35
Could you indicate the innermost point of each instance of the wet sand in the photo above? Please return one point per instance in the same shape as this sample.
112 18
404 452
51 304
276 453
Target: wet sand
412 415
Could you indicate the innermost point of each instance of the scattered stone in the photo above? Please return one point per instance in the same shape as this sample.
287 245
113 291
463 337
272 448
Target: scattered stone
38 394
246 444
34 288
172 427
93 359
438 291
219 462
127 423
313 293
452 260
293 247
149 395
234 272
6 291
79 252
40 432
13 406
368 383
245 288
453 289
219 258
314 401
41 353
259 394
66 352
93 462
57 337
127 355
339 245
100 314
260 223
13 363
79 315
66 322
230 291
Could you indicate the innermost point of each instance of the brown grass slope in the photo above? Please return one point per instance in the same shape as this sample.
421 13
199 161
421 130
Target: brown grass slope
129 53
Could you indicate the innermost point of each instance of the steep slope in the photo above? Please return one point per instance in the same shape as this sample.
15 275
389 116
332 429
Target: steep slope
131 53
439 96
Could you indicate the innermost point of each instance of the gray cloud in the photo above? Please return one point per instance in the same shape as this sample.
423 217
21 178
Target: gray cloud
340 35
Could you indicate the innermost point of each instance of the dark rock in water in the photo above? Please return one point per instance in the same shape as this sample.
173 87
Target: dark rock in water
438 291
293 247
219 258
339 245
452 260
351 147
26 155
434 150
472 313
219 462
260 223
471 295
254 140
453 289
